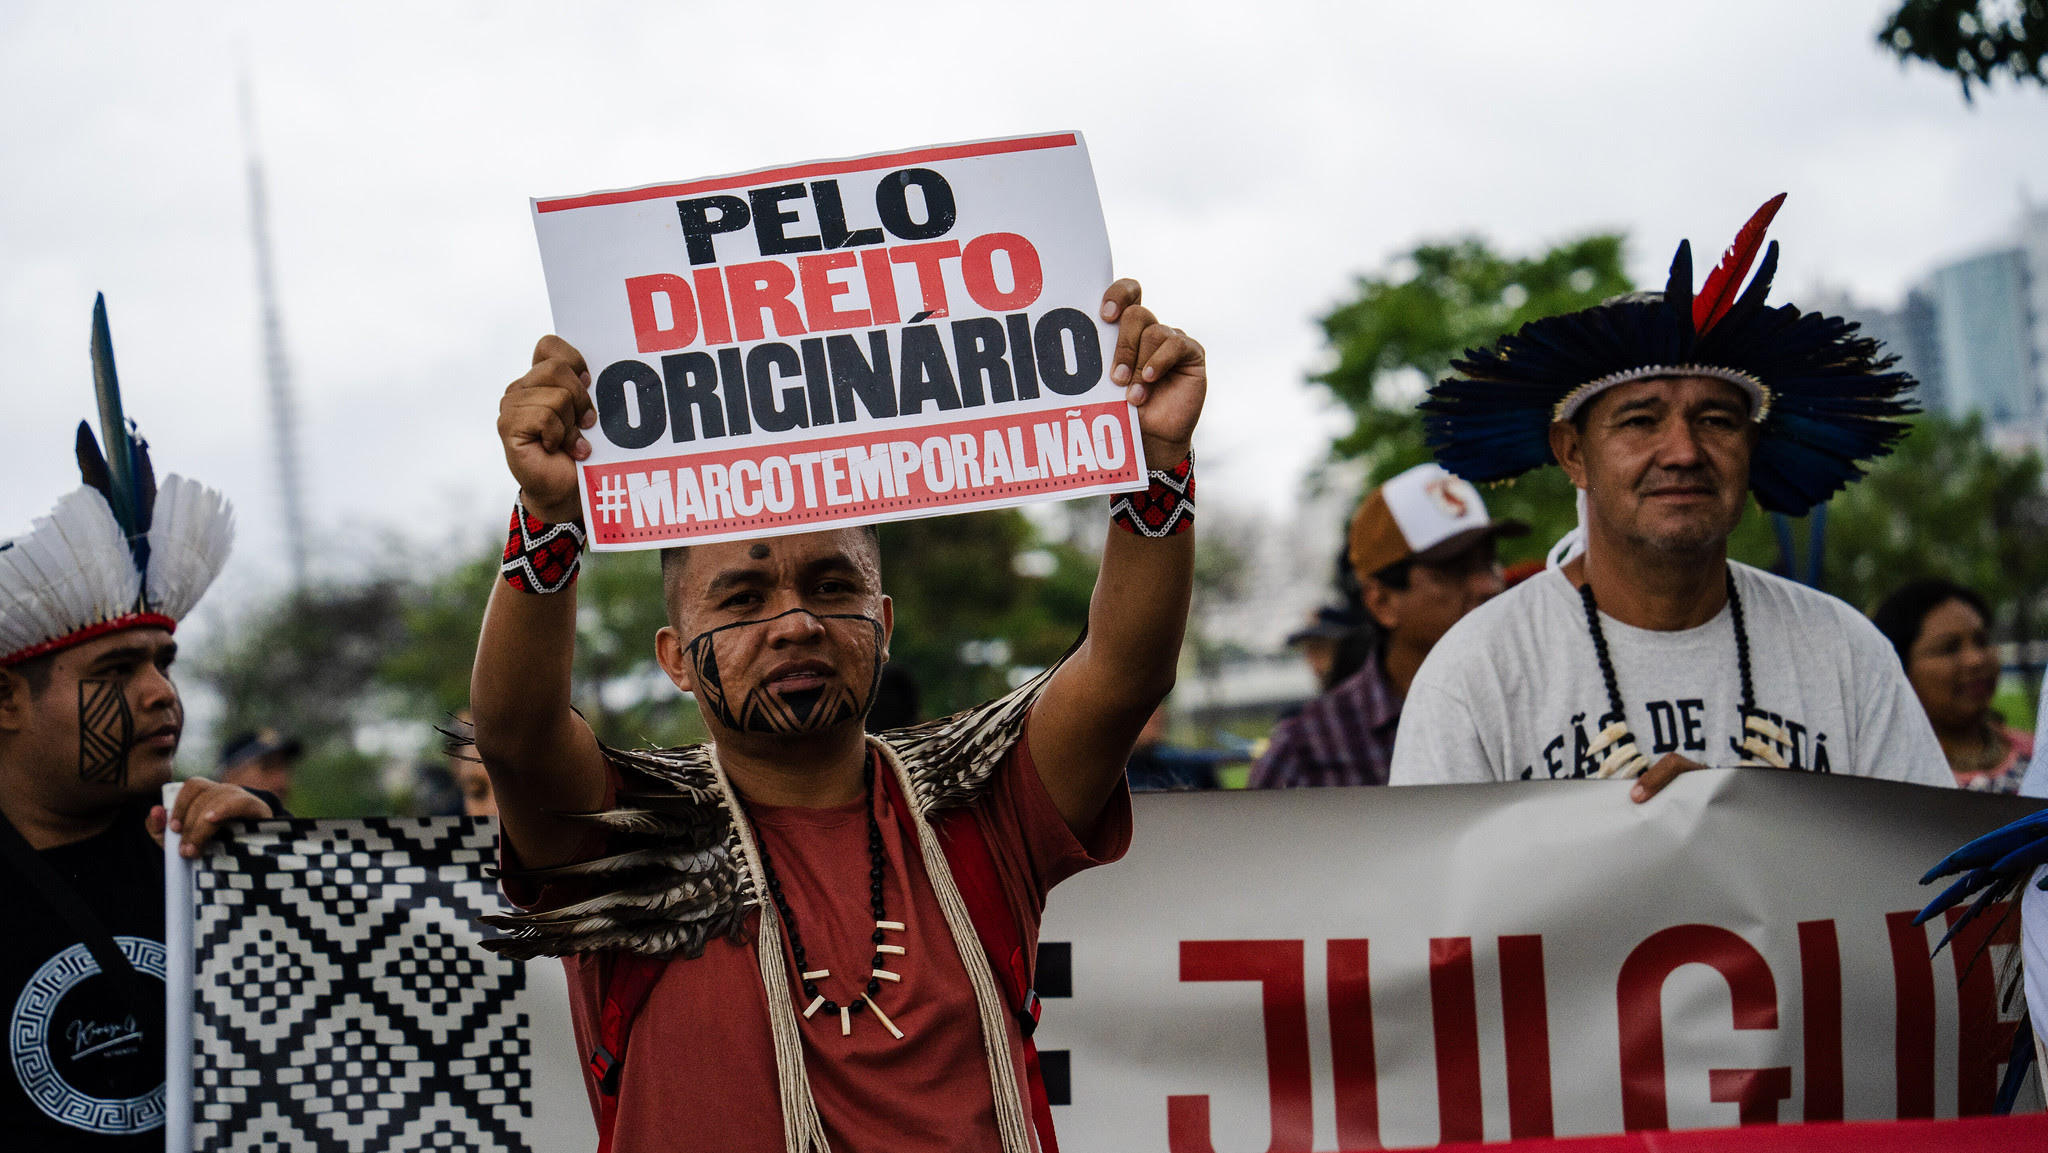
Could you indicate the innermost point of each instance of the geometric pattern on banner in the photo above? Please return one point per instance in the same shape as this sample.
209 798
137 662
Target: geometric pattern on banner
342 999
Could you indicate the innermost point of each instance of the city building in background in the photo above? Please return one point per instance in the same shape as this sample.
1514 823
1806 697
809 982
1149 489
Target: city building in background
1975 332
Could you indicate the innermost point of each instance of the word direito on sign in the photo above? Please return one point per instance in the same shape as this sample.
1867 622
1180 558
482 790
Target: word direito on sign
757 329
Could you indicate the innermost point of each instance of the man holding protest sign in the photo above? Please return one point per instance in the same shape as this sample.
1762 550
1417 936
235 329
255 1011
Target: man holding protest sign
1666 411
803 937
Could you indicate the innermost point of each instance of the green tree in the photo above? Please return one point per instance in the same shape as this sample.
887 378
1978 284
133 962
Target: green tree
1943 504
977 596
1974 39
1405 326
306 664
615 681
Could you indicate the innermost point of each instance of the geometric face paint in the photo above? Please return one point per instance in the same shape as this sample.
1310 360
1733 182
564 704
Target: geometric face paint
106 731
788 714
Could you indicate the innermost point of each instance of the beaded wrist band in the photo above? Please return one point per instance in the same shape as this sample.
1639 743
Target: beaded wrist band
1163 509
539 557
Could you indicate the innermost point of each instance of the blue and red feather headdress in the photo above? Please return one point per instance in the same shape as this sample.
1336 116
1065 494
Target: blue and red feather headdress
1823 396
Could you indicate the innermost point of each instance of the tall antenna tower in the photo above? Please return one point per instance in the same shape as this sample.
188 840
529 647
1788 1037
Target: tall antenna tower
277 371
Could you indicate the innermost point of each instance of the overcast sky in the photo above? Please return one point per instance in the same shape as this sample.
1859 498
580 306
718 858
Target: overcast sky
1252 159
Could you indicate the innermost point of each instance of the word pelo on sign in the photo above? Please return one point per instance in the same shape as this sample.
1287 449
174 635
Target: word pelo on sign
748 333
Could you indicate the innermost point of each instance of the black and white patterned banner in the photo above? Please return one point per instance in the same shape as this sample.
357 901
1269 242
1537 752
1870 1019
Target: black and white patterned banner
341 1001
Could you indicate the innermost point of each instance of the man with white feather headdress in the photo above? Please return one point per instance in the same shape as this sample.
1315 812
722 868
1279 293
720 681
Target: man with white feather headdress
89 725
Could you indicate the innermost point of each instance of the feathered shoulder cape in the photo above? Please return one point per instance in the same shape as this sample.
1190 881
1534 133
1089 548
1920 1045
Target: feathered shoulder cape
675 876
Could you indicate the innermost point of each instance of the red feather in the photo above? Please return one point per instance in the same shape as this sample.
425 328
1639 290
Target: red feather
1718 294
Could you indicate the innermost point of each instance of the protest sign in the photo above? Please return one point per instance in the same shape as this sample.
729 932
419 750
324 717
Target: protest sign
1359 968
842 342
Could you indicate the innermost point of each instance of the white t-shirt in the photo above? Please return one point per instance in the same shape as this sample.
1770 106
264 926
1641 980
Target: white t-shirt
1514 692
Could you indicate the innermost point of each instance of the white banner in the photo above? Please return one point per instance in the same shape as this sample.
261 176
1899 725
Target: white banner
1350 968
1314 969
842 342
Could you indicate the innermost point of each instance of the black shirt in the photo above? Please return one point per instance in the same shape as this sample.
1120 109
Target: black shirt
86 1071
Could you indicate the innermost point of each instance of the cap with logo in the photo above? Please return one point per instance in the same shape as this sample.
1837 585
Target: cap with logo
1424 514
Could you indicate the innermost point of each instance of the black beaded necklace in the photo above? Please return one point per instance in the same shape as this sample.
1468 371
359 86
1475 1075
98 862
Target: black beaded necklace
1626 761
880 971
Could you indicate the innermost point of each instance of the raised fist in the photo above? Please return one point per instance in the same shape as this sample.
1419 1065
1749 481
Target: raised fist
1164 369
540 423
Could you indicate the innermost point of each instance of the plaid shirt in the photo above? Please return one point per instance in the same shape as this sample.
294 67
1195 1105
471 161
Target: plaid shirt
1344 737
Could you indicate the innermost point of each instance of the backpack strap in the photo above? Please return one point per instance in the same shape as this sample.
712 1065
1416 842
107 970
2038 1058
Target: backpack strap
1002 938
974 871
627 979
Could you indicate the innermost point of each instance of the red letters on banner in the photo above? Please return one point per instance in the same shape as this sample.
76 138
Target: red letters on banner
1454 1010
1820 995
1757 1093
1278 968
733 300
1982 1040
1913 992
1354 1063
1753 997
1525 1019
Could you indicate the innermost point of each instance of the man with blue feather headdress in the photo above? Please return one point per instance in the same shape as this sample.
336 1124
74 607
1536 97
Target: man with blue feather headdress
1644 652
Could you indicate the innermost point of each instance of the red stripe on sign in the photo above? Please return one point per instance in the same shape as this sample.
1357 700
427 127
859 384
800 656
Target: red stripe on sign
1454 1011
858 478
806 171
1353 1063
1525 1017
1820 999
1983 1040
1913 997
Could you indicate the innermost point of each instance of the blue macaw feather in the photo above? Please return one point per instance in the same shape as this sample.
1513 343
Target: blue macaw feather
2023 860
1997 891
1992 847
1835 402
1965 885
2017 1062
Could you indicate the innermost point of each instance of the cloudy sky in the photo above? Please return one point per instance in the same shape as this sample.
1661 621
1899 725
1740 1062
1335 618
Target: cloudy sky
1252 159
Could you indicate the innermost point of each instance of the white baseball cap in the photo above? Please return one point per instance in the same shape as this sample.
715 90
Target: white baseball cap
1423 514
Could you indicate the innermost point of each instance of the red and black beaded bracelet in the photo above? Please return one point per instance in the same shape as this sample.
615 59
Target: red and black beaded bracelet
541 557
1166 507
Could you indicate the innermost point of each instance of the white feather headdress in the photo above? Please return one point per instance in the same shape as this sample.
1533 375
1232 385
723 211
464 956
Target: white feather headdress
117 553
76 574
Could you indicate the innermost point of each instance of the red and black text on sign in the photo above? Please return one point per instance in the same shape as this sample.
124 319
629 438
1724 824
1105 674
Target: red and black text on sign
851 479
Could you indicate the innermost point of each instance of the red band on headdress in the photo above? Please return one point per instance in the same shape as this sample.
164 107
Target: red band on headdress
117 624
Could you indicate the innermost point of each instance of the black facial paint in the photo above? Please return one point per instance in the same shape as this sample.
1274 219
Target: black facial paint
763 711
106 731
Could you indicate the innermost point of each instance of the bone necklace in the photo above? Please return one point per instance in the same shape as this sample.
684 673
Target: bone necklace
880 971
1623 758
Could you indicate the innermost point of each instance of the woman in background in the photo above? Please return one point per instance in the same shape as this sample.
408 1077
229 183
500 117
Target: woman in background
1942 632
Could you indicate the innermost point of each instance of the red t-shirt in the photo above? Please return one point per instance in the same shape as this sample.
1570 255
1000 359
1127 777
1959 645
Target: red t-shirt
700 1068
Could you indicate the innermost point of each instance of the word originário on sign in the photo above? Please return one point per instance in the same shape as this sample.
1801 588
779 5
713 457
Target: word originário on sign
842 342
